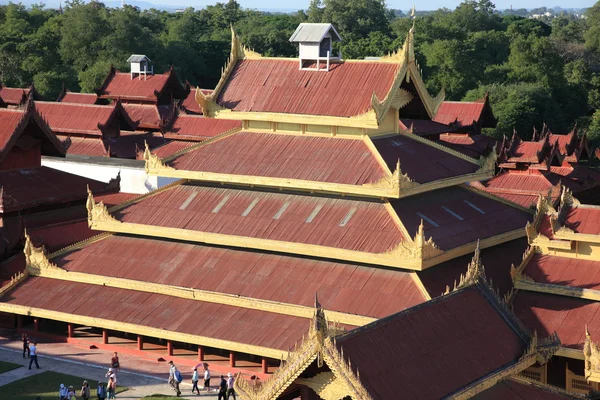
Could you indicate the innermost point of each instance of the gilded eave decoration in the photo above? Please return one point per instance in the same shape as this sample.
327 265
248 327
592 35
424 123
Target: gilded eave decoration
318 346
97 212
36 258
591 352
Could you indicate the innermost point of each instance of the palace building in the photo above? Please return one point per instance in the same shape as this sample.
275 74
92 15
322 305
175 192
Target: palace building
321 217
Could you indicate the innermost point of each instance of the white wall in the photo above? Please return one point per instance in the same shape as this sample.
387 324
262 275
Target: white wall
309 51
133 175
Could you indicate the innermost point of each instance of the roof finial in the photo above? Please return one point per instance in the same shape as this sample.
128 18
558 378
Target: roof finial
413 16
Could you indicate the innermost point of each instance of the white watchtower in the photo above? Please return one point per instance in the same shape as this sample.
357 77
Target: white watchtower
316 44
141 65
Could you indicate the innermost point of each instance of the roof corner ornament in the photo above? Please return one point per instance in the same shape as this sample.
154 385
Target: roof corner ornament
97 212
36 258
154 164
475 271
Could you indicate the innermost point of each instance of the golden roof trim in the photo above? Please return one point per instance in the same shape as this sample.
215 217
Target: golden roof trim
591 353
36 258
318 345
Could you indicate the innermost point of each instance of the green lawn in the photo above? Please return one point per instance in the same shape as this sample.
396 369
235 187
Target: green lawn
46 386
6 366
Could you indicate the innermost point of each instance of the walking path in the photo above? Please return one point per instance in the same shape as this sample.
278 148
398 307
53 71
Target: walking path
142 376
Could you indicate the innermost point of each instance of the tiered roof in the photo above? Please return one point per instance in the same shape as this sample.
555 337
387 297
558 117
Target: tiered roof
299 188
557 278
13 97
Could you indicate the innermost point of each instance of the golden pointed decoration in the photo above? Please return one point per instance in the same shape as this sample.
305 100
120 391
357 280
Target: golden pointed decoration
475 272
36 259
153 163
207 102
97 212
591 353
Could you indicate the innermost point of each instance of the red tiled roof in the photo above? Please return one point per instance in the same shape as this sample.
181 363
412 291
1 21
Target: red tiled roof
395 355
28 188
583 219
496 260
130 145
231 323
523 200
464 113
323 159
512 389
473 146
348 288
564 271
189 104
112 199
13 96
120 85
9 121
75 118
79 98
10 267
13 123
568 316
519 182
423 127
172 147
149 116
196 127
527 152
341 223
279 86
87 147
482 217
57 236
422 163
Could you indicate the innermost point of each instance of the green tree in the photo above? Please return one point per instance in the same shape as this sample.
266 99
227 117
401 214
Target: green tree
521 106
534 59
592 35
84 27
351 18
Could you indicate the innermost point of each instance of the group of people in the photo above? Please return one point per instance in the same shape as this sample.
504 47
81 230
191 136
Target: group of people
102 392
31 350
225 386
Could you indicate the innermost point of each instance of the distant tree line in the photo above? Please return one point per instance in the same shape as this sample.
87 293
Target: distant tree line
534 72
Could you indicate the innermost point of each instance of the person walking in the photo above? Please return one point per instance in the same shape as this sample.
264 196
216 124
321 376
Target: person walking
25 340
111 388
195 381
85 391
222 388
33 355
111 374
62 392
230 389
71 393
206 378
114 361
101 391
175 378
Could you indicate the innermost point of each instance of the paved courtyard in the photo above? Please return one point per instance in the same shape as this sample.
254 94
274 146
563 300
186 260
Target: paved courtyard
144 377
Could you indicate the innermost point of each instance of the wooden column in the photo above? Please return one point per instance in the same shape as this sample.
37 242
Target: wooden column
140 342
19 321
36 324
200 353
70 330
265 366
169 347
104 336
232 359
